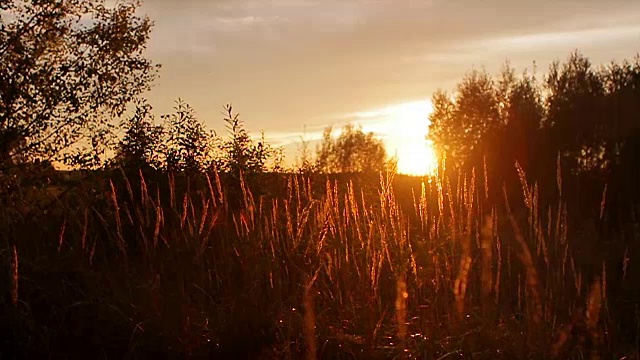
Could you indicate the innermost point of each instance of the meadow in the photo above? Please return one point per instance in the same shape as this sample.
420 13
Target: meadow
287 266
124 237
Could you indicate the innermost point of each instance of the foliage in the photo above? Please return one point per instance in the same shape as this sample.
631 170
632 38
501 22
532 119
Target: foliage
183 143
582 113
139 147
66 69
304 162
241 153
464 127
278 164
523 116
352 151
188 146
575 109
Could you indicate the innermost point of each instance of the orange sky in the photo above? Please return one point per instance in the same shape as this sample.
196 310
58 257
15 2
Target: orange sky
289 63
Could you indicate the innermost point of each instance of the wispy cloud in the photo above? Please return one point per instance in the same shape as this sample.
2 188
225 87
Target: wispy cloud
577 38
597 29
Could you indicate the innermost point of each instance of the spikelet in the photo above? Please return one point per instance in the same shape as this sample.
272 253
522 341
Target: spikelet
212 193
594 304
401 308
584 323
83 239
116 208
499 268
486 179
625 263
461 283
559 175
528 196
172 192
486 247
524 255
14 275
564 334
144 193
592 316
219 188
603 202
309 320
61 236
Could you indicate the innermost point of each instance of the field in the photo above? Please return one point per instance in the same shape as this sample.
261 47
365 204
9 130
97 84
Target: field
132 229
286 266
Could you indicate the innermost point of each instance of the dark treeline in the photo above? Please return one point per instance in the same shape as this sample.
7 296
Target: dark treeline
577 118
183 144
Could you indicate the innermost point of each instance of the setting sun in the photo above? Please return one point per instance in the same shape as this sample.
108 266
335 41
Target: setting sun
407 126
417 159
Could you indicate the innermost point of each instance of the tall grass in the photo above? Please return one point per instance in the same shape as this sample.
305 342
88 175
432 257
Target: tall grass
304 267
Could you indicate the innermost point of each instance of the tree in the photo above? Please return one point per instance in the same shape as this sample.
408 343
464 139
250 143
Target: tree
66 68
464 126
523 116
304 162
353 151
241 153
585 117
444 129
576 118
622 96
622 134
188 146
491 124
278 163
325 152
139 147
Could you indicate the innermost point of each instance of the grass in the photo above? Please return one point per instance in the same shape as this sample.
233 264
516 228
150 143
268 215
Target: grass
288 267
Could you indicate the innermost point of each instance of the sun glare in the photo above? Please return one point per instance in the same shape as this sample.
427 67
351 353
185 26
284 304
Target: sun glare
407 131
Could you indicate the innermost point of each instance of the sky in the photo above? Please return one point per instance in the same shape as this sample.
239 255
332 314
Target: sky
294 66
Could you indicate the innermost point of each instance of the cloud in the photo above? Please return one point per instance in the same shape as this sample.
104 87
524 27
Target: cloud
239 21
544 32
316 62
577 38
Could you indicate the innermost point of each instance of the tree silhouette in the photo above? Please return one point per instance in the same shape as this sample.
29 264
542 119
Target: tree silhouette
523 115
622 103
585 117
304 163
241 153
140 146
188 146
576 117
353 151
67 67
464 126
622 87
